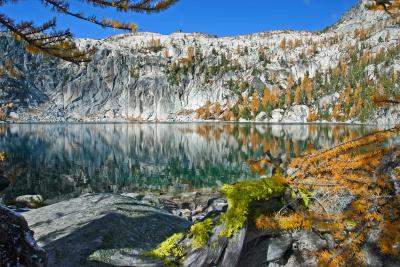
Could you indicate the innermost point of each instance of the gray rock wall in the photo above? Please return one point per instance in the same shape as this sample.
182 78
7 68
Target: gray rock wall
131 79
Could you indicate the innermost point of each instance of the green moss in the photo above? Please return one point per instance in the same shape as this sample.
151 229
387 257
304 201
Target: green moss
306 196
170 248
201 232
240 196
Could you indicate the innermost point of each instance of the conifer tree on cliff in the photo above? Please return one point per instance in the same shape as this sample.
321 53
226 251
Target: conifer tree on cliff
46 39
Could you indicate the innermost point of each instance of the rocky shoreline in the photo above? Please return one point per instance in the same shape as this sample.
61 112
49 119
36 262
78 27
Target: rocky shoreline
121 229
54 223
129 79
298 114
118 230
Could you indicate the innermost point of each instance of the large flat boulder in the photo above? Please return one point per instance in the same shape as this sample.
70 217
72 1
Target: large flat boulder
102 230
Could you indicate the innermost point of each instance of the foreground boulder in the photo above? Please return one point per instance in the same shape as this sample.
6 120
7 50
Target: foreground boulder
102 230
17 245
30 201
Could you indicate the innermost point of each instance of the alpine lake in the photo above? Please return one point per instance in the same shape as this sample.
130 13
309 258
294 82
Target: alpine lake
62 161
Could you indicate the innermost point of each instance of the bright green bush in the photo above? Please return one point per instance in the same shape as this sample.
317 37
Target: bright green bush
201 232
168 248
239 197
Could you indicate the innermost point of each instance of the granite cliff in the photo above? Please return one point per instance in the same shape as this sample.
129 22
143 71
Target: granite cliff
190 76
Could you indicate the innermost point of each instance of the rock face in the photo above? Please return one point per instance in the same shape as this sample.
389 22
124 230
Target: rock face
298 113
389 116
13 116
17 245
102 230
131 78
282 249
262 116
277 115
225 252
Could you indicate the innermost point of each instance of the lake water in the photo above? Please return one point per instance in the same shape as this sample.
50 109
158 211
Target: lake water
61 161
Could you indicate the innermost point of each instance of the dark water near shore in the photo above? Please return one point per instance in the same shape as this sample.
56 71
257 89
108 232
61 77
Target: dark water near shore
58 160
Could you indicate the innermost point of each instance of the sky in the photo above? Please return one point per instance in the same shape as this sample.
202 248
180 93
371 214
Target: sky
219 17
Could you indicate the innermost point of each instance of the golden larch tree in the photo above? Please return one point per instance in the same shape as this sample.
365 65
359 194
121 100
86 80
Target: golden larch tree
266 99
255 103
308 86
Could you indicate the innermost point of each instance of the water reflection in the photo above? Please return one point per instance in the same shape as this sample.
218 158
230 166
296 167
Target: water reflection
68 160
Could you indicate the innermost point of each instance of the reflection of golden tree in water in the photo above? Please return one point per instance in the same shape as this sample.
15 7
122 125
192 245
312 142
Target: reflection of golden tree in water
277 149
265 144
228 131
287 146
268 160
276 153
216 133
313 130
209 132
204 131
3 130
254 139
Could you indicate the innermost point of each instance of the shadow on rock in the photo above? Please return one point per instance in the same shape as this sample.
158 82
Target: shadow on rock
102 230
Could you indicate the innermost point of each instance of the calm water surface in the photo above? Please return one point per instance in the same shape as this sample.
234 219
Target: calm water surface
61 161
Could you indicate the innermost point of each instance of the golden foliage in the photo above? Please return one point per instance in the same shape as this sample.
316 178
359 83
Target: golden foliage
288 98
154 42
297 95
343 68
354 167
313 116
296 220
44 39
119 25
382 101
266 97
282 44
360 34
290 81
3 115
255 103
190 53
391 7
308 87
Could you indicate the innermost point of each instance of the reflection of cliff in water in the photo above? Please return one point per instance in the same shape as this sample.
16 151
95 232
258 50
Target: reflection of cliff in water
56 160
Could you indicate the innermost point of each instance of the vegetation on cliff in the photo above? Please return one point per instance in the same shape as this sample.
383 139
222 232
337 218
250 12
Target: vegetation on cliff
361 76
